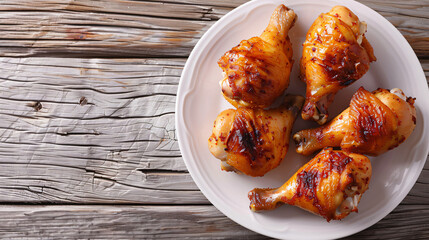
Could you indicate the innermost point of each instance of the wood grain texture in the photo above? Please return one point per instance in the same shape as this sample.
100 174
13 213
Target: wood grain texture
170 222
91 130
147 28
119 222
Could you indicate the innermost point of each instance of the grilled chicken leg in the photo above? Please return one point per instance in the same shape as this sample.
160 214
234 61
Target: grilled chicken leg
256 72
335 54
330 185
374 123
254 141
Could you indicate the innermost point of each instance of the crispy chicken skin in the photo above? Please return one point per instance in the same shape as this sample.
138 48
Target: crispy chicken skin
373 124
254 141
256 72
335 54
330 185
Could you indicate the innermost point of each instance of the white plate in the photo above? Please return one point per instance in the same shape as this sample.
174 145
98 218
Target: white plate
199 101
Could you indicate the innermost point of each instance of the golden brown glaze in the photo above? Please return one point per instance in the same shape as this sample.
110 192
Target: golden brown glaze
254 141
373 124
335 54
330 185
257 70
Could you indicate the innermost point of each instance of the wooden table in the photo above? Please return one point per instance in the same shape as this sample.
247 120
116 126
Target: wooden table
87 137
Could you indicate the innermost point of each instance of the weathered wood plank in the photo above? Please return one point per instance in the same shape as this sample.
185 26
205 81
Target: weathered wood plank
91 130
170 9
119 222
176 222
88 103
113 28
147 28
